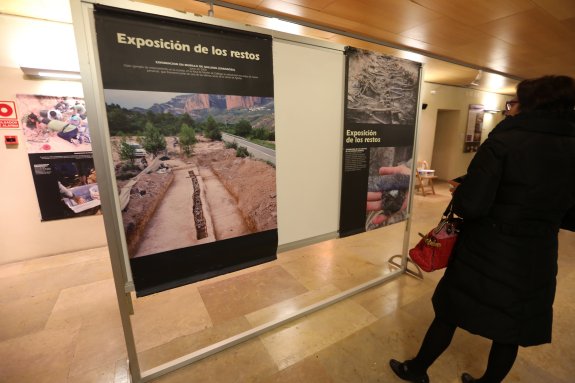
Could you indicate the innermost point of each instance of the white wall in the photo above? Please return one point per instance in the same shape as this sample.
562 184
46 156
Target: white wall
37 43
453 161
22 234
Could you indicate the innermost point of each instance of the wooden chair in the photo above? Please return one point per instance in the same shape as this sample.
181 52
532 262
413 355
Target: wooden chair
425 177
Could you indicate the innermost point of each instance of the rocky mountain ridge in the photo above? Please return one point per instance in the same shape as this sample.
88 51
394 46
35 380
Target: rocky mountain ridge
192 103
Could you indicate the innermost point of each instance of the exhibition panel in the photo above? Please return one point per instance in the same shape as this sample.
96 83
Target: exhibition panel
166 90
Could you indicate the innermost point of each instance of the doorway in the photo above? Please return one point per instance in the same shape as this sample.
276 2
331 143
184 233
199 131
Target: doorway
446 143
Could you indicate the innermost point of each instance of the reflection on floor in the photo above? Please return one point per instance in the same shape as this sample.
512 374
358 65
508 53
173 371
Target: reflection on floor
59 320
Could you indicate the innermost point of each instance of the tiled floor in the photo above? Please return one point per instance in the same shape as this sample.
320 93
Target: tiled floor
59 320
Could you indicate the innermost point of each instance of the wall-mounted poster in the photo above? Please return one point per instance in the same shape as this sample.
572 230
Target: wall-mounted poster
59 148
379 130
474 128
189 106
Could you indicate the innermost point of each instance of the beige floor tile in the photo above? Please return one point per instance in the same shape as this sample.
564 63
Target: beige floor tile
392 295
291 306
61 260
308 370
343 270
184 345
11 269
247 363
356 358
104 374
377 245
297 340
114 372
26 315
75 305
98 346
401 334
364 356
121 371
160 318
38 357
420 306
248 293
526 372
53 279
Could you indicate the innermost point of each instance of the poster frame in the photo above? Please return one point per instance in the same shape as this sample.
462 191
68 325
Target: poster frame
474 128
84 28
359 172
237 68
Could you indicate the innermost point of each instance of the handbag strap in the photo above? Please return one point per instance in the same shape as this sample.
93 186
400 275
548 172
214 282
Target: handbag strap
448 210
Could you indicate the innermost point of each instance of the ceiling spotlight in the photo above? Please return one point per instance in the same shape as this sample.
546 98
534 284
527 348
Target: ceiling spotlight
51 74
475 81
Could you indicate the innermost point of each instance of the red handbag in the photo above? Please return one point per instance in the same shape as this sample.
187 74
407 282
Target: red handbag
434 249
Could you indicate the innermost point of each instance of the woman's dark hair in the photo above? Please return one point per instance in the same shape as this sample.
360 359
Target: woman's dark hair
551 93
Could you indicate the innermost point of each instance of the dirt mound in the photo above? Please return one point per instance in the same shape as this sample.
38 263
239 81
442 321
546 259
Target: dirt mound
251 182
145 196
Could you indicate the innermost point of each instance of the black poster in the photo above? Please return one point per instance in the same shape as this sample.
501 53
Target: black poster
379 130
189 108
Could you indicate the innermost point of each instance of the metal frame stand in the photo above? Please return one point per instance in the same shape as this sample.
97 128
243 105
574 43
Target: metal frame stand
417 273
82 12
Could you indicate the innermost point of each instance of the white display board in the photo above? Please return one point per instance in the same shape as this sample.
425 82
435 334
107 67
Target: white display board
309 88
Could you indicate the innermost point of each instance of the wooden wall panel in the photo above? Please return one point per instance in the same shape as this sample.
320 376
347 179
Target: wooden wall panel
506 36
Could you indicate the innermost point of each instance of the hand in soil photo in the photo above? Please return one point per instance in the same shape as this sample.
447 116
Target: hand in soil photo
388 186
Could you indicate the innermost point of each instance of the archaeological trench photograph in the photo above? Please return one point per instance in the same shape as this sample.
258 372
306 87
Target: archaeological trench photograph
191 168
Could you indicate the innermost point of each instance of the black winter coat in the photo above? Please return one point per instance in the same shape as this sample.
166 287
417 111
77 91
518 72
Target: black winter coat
518 192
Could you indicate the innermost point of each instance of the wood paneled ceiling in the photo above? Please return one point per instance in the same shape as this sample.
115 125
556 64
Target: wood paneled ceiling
492 43
460 41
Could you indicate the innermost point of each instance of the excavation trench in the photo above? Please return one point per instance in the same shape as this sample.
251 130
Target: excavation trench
196 209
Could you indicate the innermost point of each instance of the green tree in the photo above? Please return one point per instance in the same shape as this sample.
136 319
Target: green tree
243 128
187 138
153 140
126 151
242 152
118 120
166 123
211 129
260 133
187 119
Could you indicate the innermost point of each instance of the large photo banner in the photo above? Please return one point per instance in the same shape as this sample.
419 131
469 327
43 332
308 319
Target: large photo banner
191 122
379 130
59 147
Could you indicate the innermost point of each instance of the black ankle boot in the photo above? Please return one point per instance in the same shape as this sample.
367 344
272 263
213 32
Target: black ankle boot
466 378
402 370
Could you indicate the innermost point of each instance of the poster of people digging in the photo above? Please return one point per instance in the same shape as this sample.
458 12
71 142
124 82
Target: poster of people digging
190 114
59 147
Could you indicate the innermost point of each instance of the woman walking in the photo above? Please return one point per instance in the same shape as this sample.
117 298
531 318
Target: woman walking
518 192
